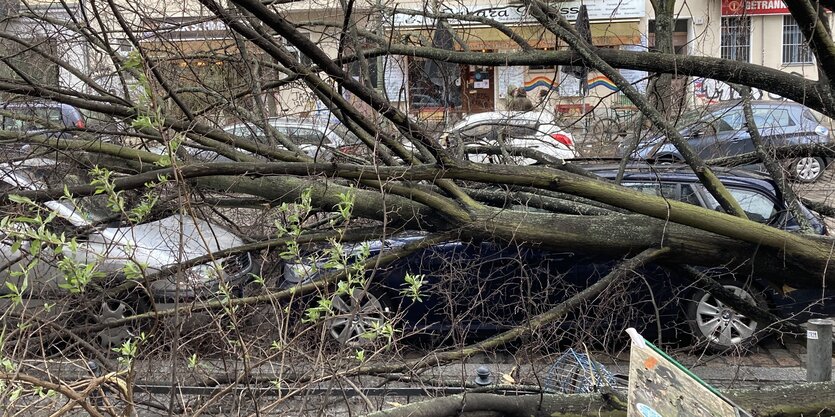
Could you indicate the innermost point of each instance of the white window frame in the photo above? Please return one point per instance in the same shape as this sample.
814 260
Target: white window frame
736 38
795 49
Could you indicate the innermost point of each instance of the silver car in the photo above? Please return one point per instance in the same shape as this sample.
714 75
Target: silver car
319 140
48 284
721 130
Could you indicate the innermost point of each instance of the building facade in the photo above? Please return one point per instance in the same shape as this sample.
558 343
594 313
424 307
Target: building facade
759 32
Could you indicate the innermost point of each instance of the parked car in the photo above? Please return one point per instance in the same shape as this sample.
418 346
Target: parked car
316 139
536 130
491 285
33 118
109 249
720 130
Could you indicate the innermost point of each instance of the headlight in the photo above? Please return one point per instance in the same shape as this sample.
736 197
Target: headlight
203 273
295 273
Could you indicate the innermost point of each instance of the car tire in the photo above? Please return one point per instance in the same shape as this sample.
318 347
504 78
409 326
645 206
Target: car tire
719 327
808 168
606 131
355 315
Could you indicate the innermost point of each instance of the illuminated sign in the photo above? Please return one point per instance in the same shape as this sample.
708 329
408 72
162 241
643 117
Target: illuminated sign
753 7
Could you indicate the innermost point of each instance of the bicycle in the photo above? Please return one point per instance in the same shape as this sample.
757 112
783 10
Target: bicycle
608 130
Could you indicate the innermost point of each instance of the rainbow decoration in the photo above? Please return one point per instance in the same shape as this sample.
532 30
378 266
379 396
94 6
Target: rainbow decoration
540 82
603 81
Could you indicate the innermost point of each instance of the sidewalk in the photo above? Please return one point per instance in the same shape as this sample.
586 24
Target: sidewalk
771 363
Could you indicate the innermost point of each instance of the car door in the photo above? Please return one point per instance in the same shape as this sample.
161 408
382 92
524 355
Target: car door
311 141
777 126
479 134
726 134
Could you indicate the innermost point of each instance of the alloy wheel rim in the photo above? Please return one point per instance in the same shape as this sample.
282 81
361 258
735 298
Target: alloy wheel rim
355 316
722 325
808 168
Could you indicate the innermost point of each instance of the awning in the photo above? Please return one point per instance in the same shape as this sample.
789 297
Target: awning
478 38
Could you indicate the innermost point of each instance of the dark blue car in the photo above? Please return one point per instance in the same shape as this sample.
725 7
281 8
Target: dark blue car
474 286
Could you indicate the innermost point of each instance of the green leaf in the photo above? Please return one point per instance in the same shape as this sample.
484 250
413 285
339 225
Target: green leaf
21 199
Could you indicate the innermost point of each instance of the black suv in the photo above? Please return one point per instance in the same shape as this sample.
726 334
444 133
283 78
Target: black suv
483 285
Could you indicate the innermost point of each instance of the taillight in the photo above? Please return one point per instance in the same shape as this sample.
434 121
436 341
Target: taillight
79 123
564 139
349 150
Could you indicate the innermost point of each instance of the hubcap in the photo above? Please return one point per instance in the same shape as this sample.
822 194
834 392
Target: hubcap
808 168
355 316
111 311
722 325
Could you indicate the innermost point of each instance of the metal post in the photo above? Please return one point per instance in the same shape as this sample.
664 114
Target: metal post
819 350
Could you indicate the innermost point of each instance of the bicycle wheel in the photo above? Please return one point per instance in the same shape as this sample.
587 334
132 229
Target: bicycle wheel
606 131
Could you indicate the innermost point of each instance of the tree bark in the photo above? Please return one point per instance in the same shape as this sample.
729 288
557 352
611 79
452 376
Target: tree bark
782 401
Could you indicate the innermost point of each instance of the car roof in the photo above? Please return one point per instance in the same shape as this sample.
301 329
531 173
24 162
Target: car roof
537 115
680 173
286 121
755 103
34 104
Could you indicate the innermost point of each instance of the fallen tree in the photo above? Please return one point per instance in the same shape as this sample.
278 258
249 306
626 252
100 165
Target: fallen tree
778 401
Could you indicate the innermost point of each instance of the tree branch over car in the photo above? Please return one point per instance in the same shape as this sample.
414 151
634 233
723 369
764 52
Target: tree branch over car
255 168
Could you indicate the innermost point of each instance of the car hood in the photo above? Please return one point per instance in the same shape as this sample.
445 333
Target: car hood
166 242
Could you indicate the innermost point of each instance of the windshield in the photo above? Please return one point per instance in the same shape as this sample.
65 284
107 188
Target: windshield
96 208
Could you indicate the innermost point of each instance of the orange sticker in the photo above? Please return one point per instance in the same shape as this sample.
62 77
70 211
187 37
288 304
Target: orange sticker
650 362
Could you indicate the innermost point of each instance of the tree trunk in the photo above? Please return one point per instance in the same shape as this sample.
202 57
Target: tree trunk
783 401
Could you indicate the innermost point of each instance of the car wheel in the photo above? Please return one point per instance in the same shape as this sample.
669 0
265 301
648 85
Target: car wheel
112 311
355 317
719 326
606 131
808 169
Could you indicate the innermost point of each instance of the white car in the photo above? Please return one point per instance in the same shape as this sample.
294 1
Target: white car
508 130
106 247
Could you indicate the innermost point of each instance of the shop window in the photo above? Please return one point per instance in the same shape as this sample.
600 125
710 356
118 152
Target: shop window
427 82
357 71
795 49
736 38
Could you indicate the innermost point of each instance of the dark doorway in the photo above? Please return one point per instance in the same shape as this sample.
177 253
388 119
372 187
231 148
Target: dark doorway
478 88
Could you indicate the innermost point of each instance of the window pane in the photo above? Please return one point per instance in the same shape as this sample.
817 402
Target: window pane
757 207
666 190
736 38
795 49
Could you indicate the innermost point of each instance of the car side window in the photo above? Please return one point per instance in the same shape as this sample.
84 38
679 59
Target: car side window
768 118
477 132
50 115
519 131
689 195
21 120
757 206
248 132
659 189
305 136
729 121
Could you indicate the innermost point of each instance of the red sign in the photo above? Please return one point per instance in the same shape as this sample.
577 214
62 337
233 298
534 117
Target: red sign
753 7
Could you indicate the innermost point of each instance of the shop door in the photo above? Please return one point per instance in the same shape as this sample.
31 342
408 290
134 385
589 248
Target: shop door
477 89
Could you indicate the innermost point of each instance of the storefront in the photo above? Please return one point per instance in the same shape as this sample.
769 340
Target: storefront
614 24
